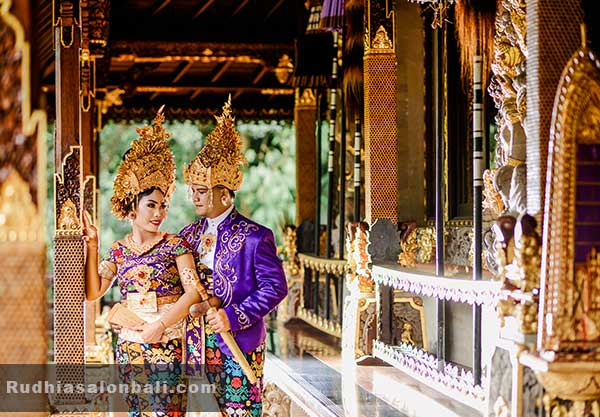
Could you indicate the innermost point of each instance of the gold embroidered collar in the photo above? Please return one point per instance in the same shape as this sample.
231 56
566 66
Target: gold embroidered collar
130 244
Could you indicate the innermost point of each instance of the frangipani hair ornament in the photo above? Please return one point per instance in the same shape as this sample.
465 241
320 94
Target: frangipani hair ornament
148 164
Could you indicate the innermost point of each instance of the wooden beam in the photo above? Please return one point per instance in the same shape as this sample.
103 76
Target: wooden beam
240 7
159 5
221 71
195 93
182 68
260 74
203 8
237 94
277 5
184 89
191 88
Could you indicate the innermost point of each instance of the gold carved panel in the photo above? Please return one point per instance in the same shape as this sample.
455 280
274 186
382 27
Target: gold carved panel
570 318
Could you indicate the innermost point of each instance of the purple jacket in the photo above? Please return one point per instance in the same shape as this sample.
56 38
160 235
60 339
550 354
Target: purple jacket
247 276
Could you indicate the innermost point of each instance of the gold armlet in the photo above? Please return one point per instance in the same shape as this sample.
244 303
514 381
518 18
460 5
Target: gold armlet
105 271
189 277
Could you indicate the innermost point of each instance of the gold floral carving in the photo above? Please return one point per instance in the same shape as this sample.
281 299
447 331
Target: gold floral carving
588 130
508 86
381 40
492 198
520 274
359 259
68 222
275 402
417 246
111 98
556 408
426 244
290 264
19 220
284 69
408 250
307 99
576 387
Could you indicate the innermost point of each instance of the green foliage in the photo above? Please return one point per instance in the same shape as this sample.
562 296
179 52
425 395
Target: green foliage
49 218
268 192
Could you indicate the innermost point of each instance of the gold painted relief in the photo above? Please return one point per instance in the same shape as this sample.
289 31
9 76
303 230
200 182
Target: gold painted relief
67 220
19 220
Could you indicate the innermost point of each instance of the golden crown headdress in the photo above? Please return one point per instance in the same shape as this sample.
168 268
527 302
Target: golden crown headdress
148 164
219 161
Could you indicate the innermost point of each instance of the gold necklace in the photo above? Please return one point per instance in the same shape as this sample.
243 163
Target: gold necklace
141 249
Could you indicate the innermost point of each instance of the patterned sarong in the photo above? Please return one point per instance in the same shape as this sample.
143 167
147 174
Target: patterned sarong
145 364
236 396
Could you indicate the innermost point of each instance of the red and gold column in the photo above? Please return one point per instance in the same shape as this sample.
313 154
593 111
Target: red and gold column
380 118
305 118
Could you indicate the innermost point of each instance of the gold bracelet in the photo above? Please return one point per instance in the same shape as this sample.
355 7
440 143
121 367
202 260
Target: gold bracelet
105 271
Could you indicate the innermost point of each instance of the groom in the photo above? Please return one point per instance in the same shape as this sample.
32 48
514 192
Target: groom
240 265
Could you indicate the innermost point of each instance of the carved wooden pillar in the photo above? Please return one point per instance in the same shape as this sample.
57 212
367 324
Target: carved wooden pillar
552 35
69 314
305 117
67 44
380 124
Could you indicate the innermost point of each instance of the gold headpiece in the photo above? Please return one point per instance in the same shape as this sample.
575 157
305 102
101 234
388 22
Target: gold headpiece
149 163
219 161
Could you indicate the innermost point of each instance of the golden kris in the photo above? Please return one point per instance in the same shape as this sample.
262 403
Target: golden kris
148 164
219 161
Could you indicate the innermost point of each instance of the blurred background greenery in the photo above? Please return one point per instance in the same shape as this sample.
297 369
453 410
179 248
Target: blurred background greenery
267 195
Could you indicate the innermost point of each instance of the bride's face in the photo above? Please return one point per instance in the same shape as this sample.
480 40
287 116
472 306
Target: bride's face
150 212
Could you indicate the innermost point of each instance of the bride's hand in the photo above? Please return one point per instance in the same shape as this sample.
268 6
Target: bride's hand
90 233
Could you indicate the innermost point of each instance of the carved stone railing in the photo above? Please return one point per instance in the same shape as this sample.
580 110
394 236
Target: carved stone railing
452 380
414 359
427 285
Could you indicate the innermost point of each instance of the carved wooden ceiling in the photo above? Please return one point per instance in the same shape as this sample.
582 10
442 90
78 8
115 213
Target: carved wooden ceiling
187 54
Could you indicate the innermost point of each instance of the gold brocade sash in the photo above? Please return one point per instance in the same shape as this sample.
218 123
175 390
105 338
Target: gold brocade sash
164 304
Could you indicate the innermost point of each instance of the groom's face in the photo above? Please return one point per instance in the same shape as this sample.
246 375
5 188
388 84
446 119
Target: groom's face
201 199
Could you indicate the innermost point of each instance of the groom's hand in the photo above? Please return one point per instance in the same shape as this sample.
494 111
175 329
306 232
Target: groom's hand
218 321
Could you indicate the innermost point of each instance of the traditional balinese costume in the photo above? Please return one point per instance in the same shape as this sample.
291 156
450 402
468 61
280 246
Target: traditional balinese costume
149 280
243 270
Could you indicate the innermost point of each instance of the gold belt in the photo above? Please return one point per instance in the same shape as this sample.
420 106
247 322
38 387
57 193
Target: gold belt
167 299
